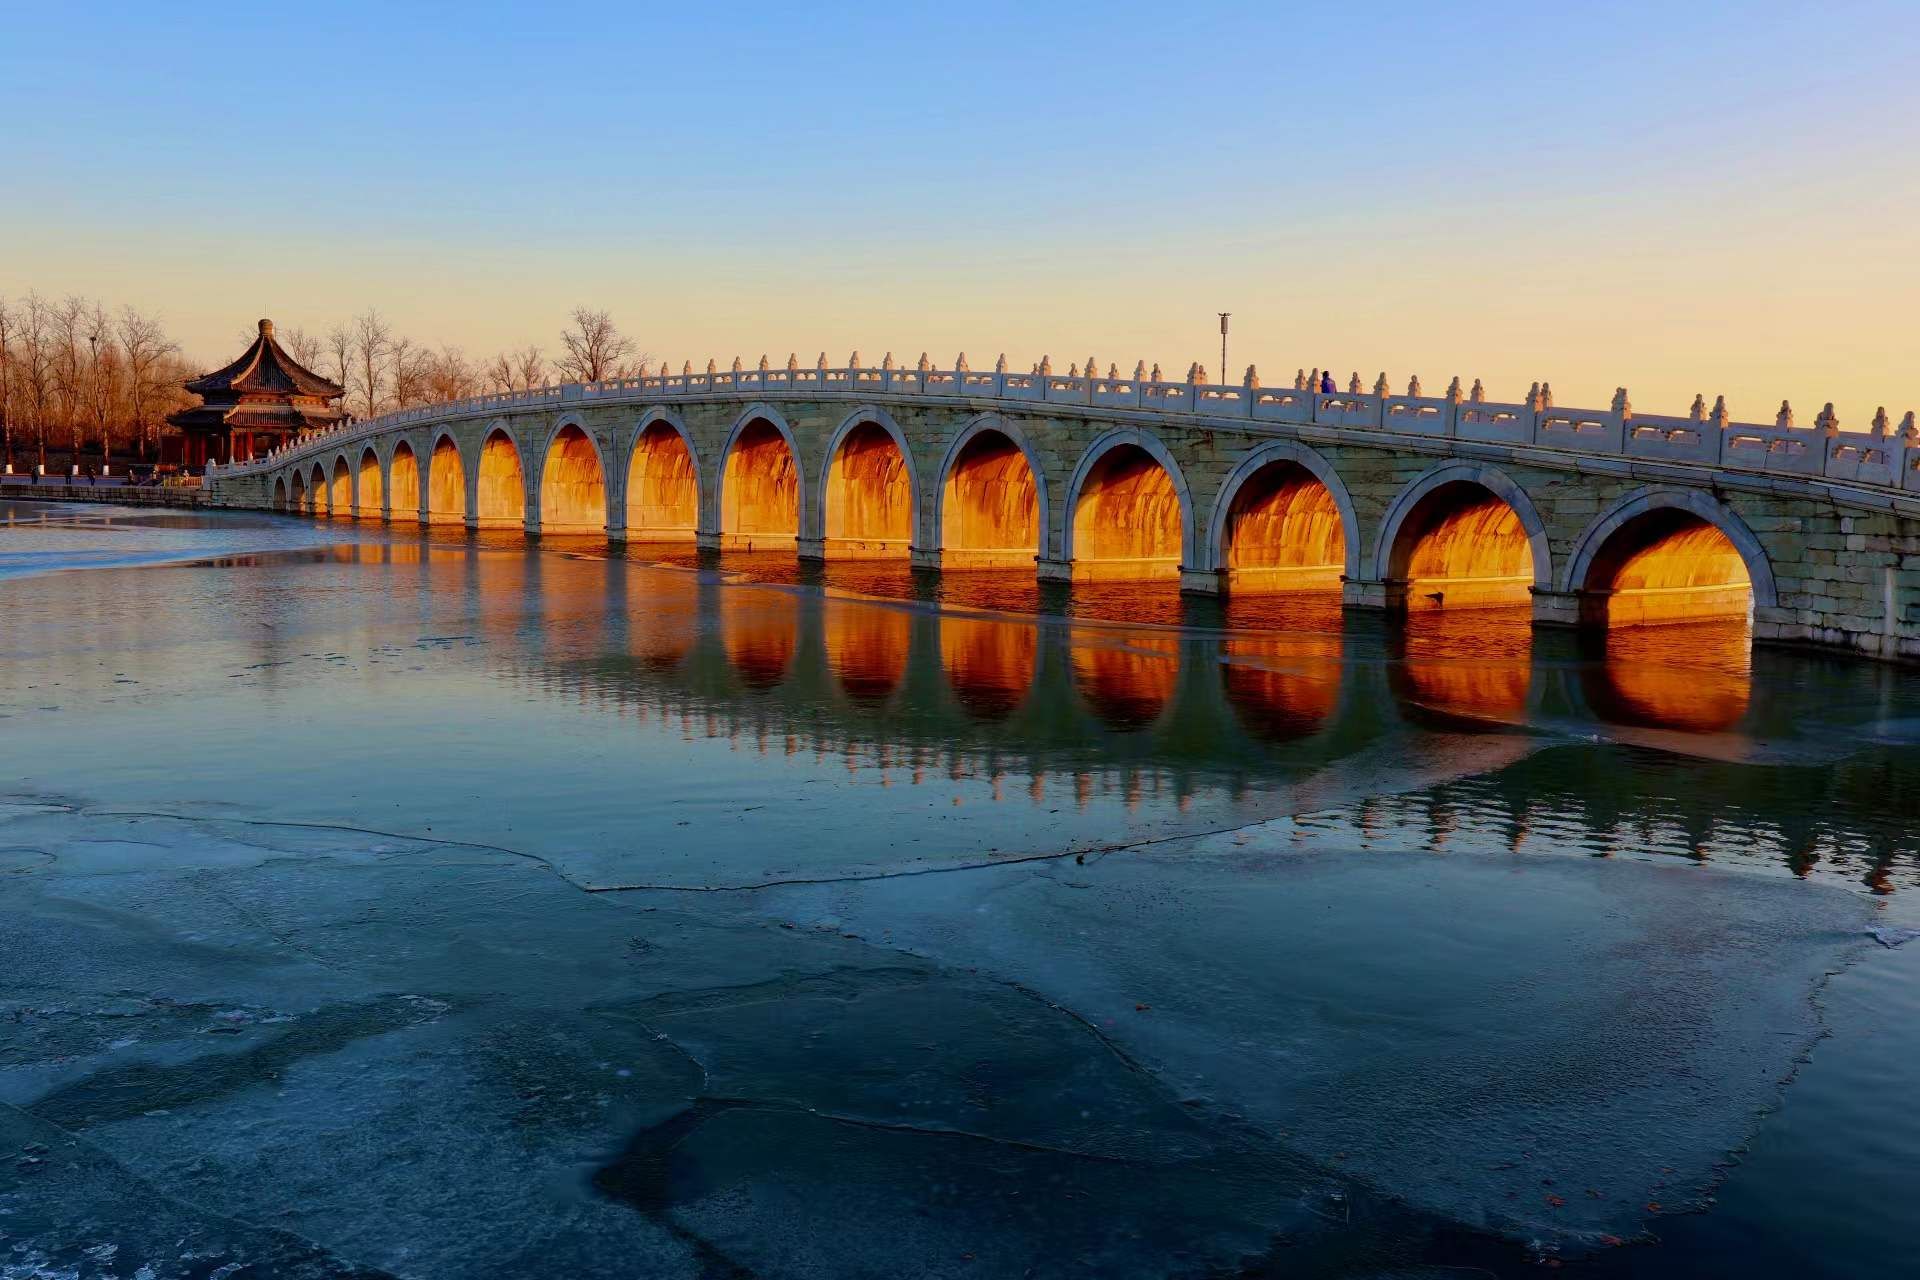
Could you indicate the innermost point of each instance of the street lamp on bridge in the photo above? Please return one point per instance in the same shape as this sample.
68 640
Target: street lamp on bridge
1223 345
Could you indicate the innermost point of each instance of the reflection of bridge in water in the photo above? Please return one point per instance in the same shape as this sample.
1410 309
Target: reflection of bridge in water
1443 731
890 684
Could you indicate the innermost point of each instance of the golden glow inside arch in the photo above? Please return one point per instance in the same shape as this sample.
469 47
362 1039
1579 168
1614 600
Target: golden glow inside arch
501 499
663 487
1665 566
573 490
370 487
1463 547
1127 519
1283 532
405 470
446 484
869 496
990 510
340 492
760 494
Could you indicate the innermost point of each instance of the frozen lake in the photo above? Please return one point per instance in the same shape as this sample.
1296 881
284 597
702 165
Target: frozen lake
377 903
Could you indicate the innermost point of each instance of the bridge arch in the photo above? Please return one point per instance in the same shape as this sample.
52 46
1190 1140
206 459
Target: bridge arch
1129 513
403 480
663 470
573 480
499 482
1297 494
340 492
1468 524
297 492
761 489
279 493
369 486
317 489
869 491
990 505
448 498
1668 554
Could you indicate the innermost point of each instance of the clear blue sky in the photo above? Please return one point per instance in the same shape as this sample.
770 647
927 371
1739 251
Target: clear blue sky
1720 195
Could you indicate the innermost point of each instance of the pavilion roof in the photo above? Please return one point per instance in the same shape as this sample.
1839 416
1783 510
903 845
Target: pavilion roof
265 369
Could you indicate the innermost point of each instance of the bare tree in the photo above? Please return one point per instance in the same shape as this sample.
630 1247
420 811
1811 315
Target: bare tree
7 354
36 331
103 378
530 366
339 346
449 376
409 372
595 346
372 341
520 370
69 326
146 350
304 347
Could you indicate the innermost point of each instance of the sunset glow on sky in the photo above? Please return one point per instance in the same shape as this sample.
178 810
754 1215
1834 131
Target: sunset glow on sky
1703 198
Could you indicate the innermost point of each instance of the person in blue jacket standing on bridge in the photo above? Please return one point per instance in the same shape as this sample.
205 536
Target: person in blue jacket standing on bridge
1326 382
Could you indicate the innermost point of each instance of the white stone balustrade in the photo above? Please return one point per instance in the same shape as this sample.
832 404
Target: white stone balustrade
1886 457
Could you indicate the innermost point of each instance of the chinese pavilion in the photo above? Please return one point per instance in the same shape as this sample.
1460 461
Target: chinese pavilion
260 401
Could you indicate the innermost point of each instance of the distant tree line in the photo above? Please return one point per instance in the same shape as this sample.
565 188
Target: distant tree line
81 381
382 370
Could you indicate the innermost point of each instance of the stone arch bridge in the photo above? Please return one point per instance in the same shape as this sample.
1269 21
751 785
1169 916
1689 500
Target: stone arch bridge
1398 501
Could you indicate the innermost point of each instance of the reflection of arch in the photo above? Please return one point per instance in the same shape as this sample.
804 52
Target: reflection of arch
1394 551
370 498
867 649
446 482
991 510
1282 687
663 478
1128 685
340 492
403 480
500 484
860 486
1469 669
573 481
762 489
1587 551
760 632
989 663
1284 452
1139 534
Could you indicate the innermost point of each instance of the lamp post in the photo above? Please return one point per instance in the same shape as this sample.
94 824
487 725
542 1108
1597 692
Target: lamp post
1223 346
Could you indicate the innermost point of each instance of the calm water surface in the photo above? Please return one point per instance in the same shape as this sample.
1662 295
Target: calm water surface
425 904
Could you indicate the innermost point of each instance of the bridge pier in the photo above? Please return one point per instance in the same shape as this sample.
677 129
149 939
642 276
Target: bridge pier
1049 570
1567 608
1202 582
811 548
1388 595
